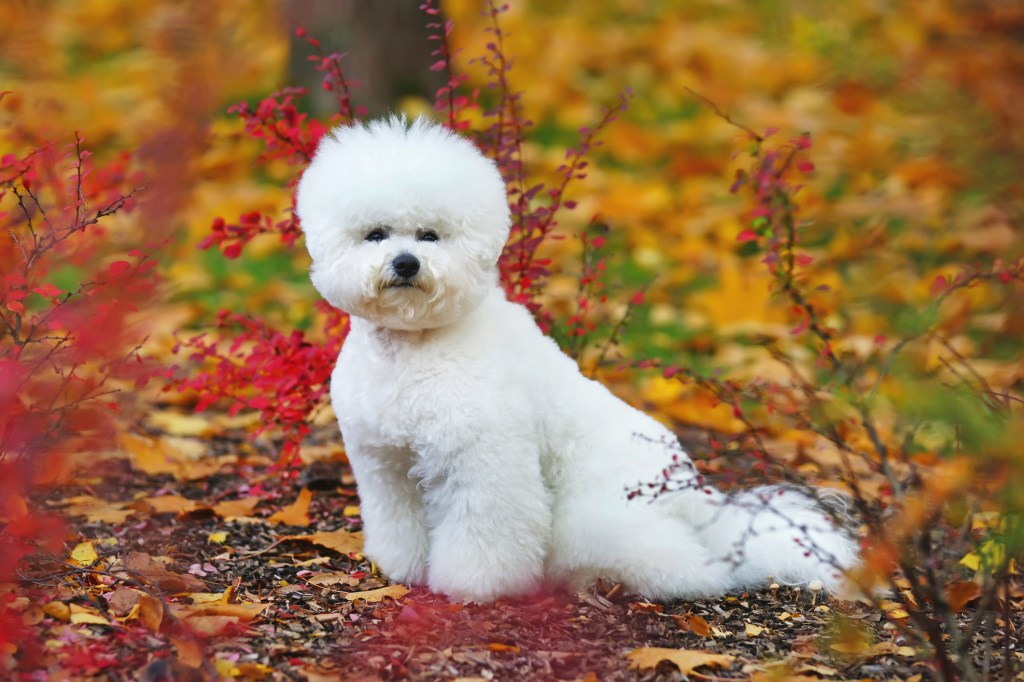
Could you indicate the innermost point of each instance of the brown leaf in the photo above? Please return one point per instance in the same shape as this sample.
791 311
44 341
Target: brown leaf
339 540
297 513
960 594
687 660
155 573
391 591
123 600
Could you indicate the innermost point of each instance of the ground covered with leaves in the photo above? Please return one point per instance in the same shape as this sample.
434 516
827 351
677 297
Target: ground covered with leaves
186 563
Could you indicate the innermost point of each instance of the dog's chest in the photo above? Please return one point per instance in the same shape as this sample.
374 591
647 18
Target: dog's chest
397 399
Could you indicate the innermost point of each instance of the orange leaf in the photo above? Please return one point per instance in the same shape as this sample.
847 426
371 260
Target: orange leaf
236 509
960 594
340 540
297 513
647 658
391 591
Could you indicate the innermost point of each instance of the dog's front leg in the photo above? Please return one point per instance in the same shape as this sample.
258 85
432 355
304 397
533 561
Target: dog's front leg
394 524
490 521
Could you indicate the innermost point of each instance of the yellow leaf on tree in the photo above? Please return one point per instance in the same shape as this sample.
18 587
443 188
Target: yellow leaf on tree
391 591
687 660
84 554
297 513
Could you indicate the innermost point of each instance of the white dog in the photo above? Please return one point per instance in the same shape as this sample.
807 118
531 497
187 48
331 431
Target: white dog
487 465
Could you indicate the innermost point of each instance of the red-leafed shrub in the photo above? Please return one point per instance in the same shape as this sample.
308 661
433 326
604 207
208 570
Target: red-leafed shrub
67 346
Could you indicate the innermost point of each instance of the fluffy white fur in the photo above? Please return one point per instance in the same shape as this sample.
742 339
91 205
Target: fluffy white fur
487 465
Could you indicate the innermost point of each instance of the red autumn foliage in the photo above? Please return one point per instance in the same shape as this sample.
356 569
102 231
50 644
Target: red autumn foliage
67 346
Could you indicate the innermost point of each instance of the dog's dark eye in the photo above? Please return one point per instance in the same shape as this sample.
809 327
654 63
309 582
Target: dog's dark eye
377 234
427 236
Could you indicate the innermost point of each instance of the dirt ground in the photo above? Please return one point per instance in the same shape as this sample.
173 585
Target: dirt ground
175 575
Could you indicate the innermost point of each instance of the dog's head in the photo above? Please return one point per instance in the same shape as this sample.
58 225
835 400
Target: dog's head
405 224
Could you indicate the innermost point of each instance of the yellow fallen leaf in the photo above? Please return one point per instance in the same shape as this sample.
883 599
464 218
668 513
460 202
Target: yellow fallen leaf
81 614
754 630
206 597
391 591
297 513
218 538
58 610
350 510
687 660
853 647
339 540
84 554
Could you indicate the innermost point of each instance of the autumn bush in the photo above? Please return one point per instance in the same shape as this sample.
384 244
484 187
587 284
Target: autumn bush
68 348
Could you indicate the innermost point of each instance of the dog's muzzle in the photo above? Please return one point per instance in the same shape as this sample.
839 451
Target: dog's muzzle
405 267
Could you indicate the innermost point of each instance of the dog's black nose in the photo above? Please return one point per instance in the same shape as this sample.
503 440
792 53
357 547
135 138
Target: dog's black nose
405 265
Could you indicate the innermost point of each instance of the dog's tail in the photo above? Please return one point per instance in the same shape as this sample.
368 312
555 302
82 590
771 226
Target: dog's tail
773 533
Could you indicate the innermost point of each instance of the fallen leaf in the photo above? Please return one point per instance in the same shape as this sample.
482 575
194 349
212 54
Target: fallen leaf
232 510
960 594
190 654
340 540
155 573
84 554
329 579
391 591
218 538
698 625
243 612
81 614
122 600
297 513
150 612
499 646
58 610
96 510
687 660
754 630
211 626
170 504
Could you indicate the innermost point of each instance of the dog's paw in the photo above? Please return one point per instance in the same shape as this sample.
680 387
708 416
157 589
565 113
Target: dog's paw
401 563
481 579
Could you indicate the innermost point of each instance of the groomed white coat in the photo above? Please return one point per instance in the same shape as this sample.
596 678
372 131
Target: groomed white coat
486 464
